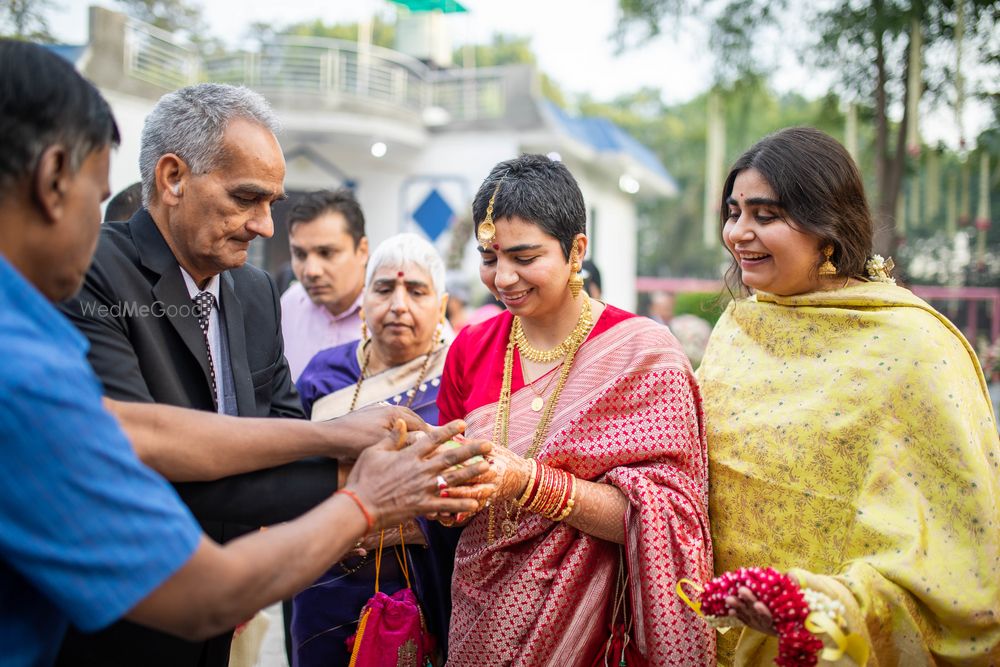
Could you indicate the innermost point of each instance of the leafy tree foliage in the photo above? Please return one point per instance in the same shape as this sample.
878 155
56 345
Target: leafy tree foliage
866 43
25 19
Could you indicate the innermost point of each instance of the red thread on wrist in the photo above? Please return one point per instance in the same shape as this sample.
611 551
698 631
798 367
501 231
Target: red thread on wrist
353 496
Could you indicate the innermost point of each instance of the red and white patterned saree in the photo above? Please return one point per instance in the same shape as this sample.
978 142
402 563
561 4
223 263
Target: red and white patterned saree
630 415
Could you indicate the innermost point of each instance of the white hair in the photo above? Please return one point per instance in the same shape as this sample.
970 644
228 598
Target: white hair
190 123
403 249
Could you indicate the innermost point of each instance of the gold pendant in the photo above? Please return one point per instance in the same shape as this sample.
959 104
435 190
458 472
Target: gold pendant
508 527
537 403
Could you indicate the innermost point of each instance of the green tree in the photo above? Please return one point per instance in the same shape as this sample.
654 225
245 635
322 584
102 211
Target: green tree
25 19
383 32
175 16
866 43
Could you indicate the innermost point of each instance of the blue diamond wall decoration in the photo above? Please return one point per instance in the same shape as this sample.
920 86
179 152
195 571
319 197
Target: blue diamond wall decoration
433 215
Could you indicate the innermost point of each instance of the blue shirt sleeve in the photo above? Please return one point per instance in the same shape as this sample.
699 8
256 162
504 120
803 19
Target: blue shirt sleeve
81 518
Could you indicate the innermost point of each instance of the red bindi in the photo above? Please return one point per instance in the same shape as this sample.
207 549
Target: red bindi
496 246
399 274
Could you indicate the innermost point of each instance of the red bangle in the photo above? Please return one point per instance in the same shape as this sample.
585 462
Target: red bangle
353 496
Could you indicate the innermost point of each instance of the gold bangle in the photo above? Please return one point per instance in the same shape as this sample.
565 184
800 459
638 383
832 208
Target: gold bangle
525 497
543 489
572 499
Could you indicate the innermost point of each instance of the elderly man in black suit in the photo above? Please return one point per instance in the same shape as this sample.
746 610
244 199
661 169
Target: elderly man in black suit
174 315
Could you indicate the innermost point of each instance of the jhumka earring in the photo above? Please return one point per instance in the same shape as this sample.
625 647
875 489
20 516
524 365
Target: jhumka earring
827 268
575 281
364 329
487 231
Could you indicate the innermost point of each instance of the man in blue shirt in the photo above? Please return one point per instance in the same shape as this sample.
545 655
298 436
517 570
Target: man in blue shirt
88 534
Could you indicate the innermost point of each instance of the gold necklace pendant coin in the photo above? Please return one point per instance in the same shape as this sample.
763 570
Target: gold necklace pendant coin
537 403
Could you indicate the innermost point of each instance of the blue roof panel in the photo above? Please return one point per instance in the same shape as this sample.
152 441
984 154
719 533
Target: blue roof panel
604 136
68 51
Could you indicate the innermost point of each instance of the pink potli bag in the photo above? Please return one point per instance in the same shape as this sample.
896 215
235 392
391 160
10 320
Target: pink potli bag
391 629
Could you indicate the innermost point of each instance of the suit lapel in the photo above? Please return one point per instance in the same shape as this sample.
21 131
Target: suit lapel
170 290
232 310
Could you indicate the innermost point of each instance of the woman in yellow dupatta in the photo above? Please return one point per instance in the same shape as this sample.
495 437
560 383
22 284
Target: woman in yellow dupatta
851 440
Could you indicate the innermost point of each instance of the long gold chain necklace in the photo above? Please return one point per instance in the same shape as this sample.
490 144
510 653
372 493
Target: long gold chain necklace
412 393
500 426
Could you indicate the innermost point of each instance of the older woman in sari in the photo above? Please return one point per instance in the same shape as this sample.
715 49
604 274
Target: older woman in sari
851 440
399 361
599 455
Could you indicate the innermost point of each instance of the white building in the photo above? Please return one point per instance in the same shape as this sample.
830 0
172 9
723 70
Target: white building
413 141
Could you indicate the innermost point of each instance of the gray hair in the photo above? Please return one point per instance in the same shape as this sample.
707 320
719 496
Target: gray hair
403 249
190 123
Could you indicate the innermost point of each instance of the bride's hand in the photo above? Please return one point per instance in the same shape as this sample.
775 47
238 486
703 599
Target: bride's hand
512 473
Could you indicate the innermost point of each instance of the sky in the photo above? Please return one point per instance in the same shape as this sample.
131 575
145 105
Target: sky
571 39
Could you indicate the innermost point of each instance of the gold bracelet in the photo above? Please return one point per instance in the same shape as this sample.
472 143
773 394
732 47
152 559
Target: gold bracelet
527 495
543 489
572 499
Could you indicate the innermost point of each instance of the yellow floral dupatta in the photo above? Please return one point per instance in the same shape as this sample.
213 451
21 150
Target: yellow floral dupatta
850 435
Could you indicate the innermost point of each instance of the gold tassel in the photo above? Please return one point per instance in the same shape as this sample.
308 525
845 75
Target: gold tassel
575 281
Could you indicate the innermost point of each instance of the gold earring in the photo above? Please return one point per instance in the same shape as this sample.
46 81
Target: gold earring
827 268
364 330
575 281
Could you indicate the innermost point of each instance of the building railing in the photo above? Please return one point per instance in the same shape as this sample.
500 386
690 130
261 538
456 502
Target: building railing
330 69
153 55
324 67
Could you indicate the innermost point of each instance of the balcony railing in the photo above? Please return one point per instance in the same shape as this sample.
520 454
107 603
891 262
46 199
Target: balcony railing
153 55
327 69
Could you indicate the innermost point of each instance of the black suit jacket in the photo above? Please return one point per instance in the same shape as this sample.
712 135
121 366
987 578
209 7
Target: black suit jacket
146 346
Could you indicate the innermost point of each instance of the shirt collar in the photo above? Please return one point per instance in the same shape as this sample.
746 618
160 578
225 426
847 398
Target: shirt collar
350 311
192 286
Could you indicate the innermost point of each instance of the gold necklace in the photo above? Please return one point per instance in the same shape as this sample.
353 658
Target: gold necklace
572 341
500 426
412 393
539 400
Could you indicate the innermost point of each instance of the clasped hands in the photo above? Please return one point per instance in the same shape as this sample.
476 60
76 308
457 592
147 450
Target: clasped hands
409 473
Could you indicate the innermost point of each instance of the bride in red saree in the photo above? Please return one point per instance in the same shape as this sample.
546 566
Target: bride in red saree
601 452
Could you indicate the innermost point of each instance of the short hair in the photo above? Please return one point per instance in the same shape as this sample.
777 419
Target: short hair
44 101
537 190
819 187
191 121
315 204
403 249
124 204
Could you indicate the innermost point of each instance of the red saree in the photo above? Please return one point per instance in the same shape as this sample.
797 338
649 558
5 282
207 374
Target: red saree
630 415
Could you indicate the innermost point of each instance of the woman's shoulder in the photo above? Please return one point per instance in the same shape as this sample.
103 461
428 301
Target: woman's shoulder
480 333
331 361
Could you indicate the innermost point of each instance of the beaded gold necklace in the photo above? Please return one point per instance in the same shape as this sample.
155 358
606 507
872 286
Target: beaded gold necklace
572 345
412 393
572 341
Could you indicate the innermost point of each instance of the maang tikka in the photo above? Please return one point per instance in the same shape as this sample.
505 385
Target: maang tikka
487 231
